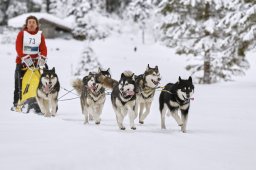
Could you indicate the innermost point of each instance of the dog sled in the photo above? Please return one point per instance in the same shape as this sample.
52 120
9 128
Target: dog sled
29 85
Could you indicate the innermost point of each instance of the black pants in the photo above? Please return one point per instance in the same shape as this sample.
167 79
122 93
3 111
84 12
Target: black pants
18 75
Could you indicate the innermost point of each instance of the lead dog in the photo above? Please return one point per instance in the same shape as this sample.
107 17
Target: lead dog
123 99
146 86
47 92
176 97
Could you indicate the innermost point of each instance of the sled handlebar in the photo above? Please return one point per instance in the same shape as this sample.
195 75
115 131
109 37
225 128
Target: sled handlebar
29 62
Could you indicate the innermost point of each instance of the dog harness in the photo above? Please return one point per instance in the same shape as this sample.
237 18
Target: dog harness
97 94
133 97
145 89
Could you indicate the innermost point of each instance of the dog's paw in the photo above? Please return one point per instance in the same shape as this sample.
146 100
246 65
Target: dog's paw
90 118
97 123
141 122
47 115
122 128
183 130
133 128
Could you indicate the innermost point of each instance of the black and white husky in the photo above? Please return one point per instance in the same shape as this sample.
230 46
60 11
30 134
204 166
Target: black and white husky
92 96
123 99
176 97
47 92
146 86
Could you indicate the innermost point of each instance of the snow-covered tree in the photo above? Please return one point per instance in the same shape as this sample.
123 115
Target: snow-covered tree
80 11
4 4
112 5
16 8
203 28
88 63
59 8
140 11
11 8
92 23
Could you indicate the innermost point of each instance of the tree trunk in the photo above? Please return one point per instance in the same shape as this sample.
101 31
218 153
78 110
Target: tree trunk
143 32
5 7
207 68
143 36
48 6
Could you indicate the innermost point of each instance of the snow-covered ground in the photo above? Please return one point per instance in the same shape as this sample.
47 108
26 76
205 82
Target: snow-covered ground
221 125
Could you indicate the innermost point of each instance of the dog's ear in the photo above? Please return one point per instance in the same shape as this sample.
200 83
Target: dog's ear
85 79
108 71
90 73
44 69
190 79
156 67
179 79
99 69
133 76
53 69
122 75
148 67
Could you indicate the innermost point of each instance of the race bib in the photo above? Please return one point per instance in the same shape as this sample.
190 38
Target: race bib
31 42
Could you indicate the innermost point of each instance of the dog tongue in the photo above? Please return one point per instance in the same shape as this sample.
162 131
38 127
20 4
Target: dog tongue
93 88
47 88
129 93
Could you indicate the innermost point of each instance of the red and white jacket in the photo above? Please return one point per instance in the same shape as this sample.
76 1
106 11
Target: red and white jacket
20 45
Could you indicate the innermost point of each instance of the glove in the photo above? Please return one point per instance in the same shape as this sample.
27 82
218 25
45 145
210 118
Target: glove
27 60
41 61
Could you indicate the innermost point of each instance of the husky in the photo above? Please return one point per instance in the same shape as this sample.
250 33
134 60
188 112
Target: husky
176 97
47 92
107 81
146 86
92 96
123 99
105 73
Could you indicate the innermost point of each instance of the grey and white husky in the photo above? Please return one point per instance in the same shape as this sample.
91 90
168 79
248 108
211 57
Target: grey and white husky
92 96
146 86
47 92
176 97
123 99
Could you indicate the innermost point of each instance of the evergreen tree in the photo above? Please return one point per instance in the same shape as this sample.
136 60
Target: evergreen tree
4 4
59 8
87 27
238 28
88 63
112 5
80 9
139 11
203 28
16 8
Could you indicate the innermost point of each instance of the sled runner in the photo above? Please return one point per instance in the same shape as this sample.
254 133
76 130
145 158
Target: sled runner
30 82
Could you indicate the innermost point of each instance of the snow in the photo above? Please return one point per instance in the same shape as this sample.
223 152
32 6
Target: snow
18 22
221 124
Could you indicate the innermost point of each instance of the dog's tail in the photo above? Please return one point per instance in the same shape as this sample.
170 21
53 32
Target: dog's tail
78 86
107 82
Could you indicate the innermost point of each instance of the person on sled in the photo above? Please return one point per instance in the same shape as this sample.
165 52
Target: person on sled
30 41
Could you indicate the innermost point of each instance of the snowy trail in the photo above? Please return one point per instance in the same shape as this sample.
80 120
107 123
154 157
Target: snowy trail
221 125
